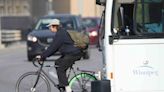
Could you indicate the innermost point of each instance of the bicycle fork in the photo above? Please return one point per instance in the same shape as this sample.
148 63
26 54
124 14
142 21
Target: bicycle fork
81 84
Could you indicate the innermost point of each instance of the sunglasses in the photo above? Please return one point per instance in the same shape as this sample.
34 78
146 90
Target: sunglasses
53 26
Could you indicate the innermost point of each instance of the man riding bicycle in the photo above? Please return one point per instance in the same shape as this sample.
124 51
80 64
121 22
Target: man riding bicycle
63 43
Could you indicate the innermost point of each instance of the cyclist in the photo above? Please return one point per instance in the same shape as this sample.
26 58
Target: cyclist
69 53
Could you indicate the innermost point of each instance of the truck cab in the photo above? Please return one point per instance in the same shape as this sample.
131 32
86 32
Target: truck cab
132 42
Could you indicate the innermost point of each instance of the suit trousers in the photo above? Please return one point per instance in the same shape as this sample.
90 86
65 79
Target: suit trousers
64 62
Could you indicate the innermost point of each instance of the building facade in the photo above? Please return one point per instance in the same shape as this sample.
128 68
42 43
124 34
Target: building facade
21 14
39 8
14 8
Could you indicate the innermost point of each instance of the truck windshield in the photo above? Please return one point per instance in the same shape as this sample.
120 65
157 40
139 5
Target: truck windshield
144 18
150 16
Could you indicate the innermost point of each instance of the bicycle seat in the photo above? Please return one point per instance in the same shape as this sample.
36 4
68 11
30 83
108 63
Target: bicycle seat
78 60
56 66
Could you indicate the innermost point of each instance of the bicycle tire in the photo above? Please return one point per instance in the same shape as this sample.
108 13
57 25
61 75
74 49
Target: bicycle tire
27 80
82 82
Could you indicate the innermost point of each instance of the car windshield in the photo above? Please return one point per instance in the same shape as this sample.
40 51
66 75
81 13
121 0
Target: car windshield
66 22
90 22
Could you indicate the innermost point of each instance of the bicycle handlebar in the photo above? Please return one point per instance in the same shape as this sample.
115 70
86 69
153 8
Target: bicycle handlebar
39 62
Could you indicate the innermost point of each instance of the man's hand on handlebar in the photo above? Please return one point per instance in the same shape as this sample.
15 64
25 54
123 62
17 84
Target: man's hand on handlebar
39 59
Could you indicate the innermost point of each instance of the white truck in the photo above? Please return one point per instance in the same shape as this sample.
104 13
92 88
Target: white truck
132 42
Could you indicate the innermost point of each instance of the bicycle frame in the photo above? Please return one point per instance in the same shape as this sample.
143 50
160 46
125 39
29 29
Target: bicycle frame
40 71
77 80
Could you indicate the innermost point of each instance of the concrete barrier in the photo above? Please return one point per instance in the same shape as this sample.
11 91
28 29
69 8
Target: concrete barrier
10 35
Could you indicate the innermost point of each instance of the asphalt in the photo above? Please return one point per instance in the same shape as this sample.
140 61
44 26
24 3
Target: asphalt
13 45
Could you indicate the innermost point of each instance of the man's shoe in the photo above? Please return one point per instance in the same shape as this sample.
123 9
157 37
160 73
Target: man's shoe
68 89
61 88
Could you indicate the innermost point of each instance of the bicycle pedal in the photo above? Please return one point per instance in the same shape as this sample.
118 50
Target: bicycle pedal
61 90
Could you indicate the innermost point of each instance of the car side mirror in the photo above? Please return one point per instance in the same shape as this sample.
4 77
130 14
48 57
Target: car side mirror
101 2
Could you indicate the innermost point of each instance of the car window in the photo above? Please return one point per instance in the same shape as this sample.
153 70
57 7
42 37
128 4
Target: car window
68 23
90 22
42 24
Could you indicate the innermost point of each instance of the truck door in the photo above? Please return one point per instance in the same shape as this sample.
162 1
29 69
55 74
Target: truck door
137 47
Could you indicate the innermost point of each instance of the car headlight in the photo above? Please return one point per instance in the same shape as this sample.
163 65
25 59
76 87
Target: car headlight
32 38
93 33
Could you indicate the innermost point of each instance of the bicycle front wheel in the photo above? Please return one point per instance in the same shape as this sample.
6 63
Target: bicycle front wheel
82 82
26 82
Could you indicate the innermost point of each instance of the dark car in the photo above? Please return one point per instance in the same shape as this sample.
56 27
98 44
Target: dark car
40 37
92 26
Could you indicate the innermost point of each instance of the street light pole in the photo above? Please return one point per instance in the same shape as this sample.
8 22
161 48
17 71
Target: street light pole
80 4
1 46
0 32
50 9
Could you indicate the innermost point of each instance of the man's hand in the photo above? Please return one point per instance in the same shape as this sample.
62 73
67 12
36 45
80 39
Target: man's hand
39 59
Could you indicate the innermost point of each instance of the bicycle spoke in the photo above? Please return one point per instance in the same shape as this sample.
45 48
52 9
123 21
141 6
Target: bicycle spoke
82 82
27 81
87 81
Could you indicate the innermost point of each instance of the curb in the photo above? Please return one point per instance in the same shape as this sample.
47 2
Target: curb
13 45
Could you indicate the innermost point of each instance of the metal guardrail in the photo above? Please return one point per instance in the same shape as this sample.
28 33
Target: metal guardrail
10 35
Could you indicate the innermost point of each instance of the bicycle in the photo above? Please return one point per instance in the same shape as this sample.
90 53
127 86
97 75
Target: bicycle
39 81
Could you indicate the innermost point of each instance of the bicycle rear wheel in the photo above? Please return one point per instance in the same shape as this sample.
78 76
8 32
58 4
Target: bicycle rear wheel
82 82
26 82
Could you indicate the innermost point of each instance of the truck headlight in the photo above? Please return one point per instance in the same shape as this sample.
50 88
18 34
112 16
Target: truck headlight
32 38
